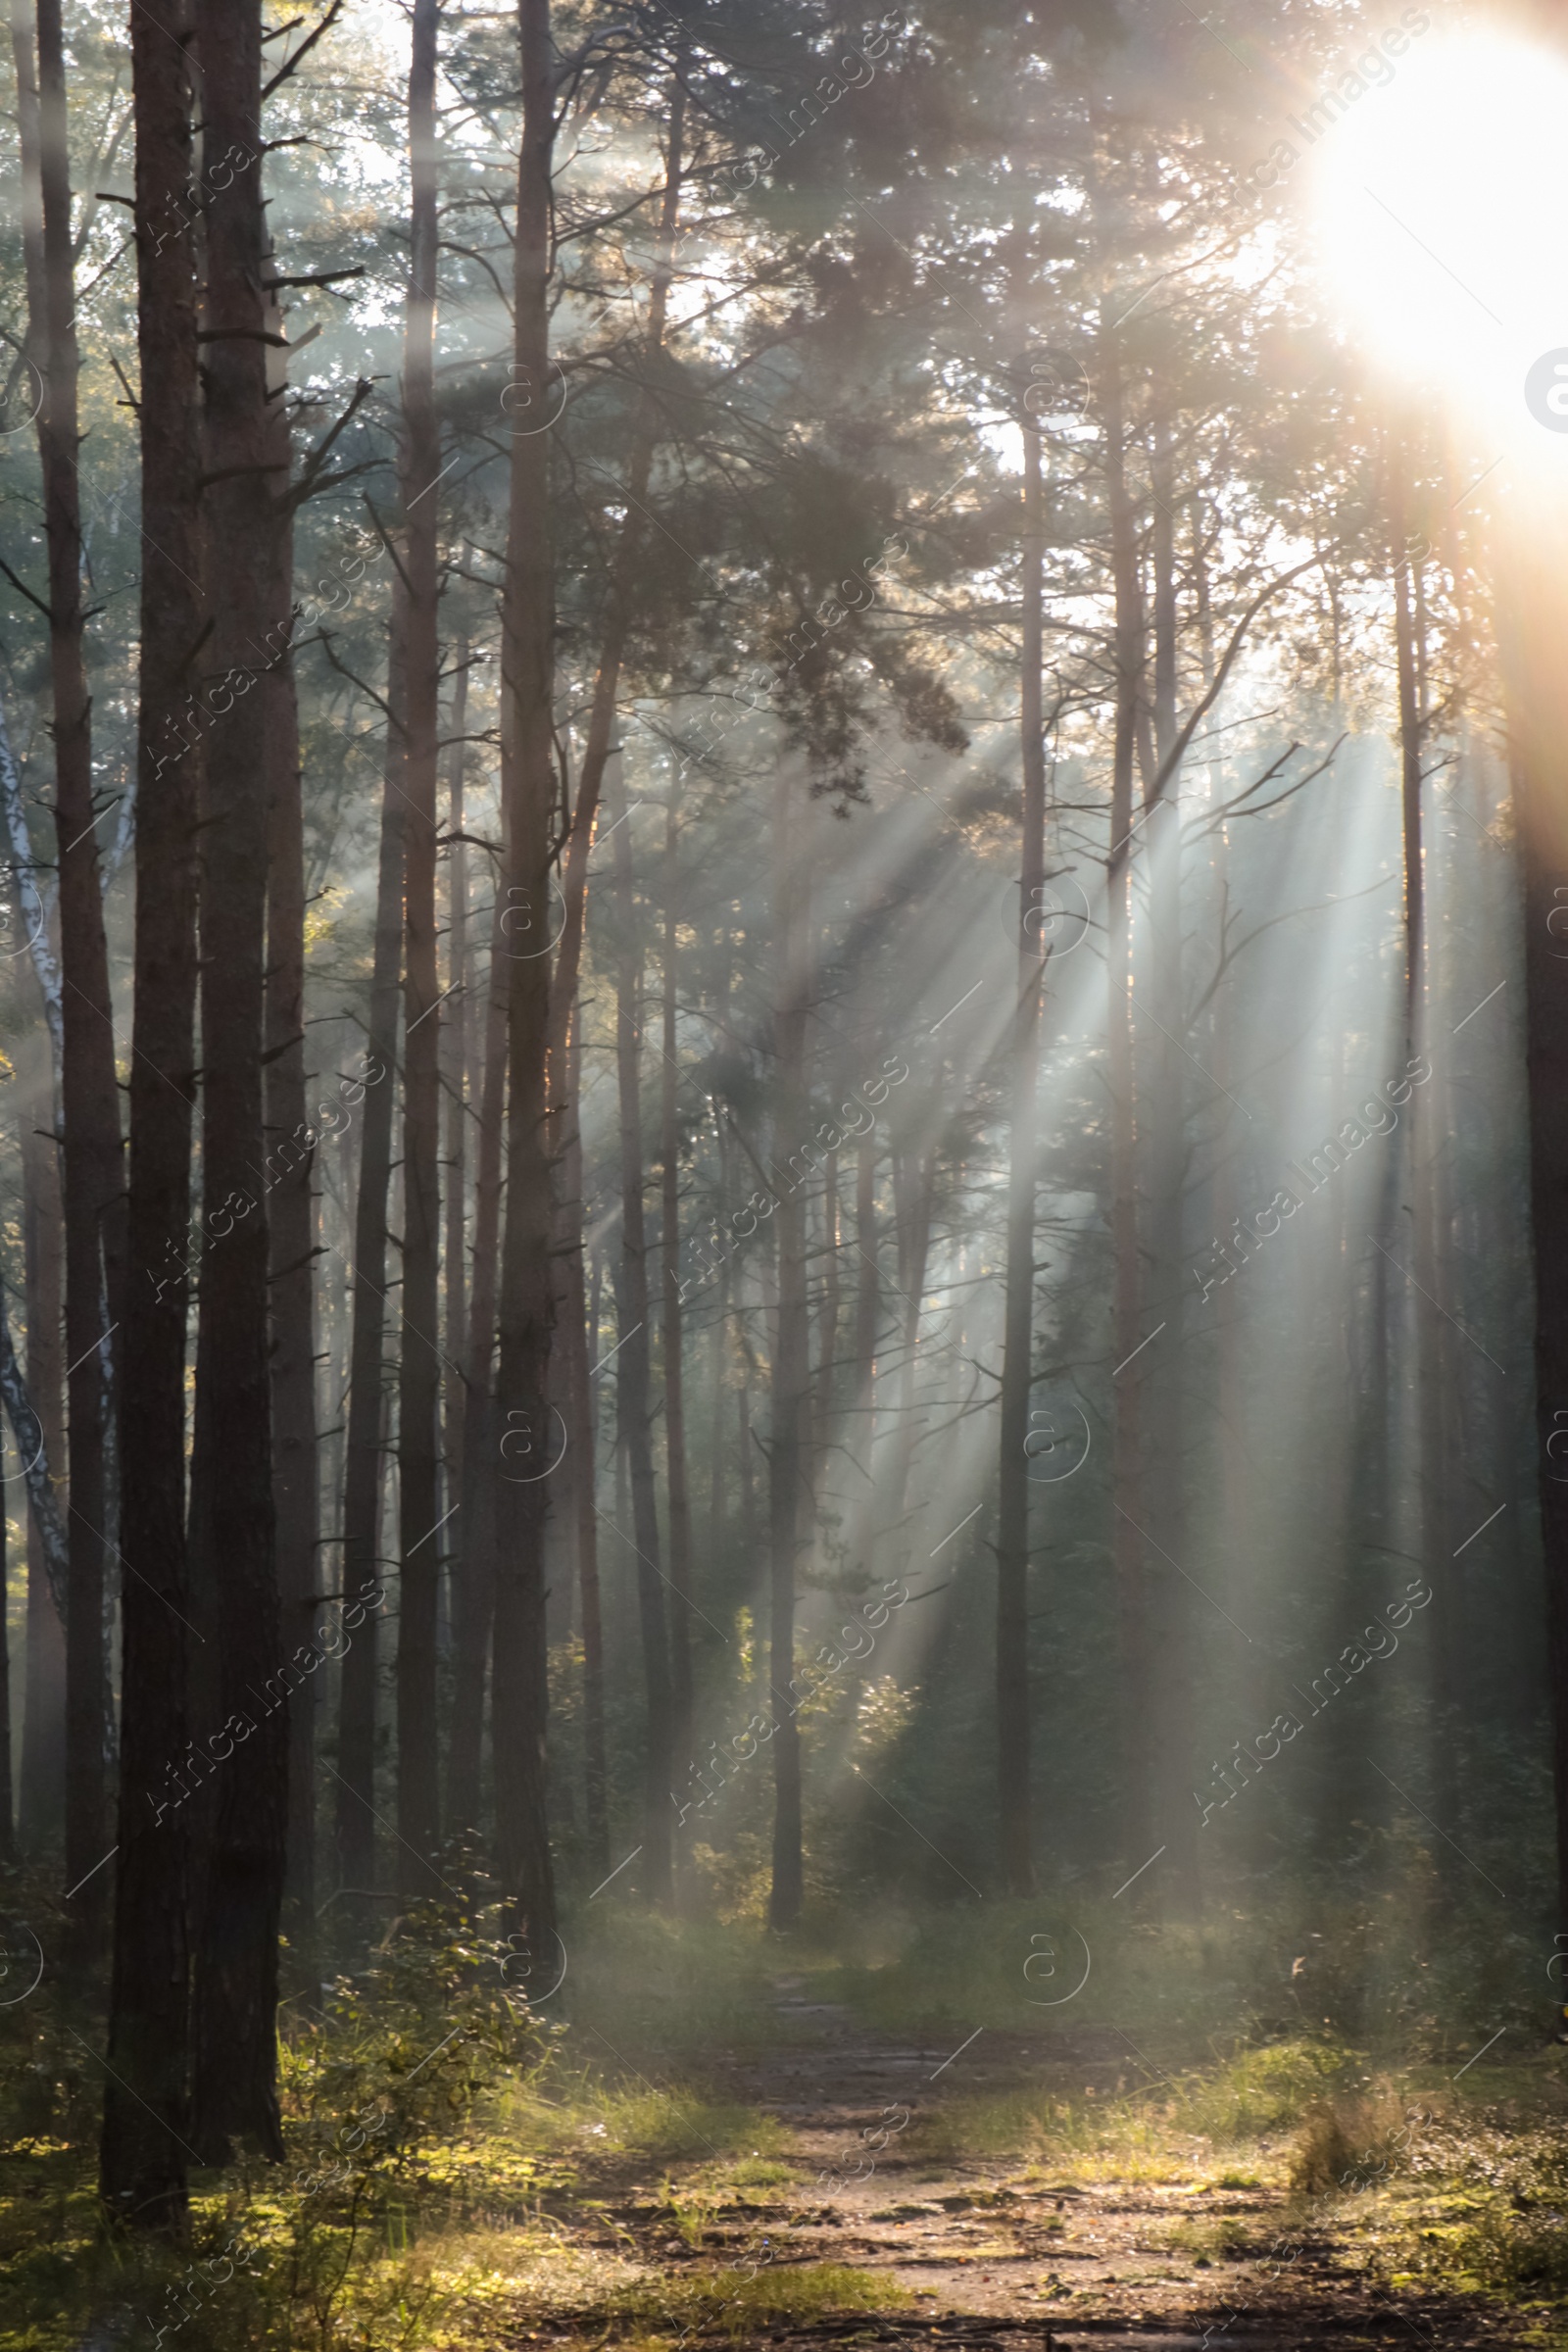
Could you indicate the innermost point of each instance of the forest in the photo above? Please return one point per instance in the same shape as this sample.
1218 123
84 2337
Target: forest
783 1174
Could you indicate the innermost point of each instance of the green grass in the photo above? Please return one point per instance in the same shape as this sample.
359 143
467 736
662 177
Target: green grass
754 2172
587 2116
734 2302
1235 2104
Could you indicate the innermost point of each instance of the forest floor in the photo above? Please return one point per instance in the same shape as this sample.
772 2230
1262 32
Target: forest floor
707 2152
880 2207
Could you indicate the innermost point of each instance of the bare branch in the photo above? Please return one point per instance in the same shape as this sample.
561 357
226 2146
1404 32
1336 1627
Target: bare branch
292 64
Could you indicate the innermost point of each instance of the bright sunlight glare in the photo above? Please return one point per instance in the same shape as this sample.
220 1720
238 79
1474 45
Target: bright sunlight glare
1438 198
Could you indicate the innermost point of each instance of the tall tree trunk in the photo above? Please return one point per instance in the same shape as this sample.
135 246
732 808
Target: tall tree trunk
744 1442
1360 1790
1535 616
680 1512
475 1598
1446 1748
29 177
791 1356
528 784
234 1526
362 1497
599 748
1015 1807
598 751
1163 1431
633 1381
865 1293
718 1343
43 1721
7 1834
290 1168
144 2150
1237 1492
456 1033
719 1336
914 1177
579 1399
420 1383
624 592
93 1166
827 1337
1127 1542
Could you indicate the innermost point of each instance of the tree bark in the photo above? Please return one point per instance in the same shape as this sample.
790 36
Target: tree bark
528 785
719 1329
455 1032
232 1520
43 1722
93 1168
866 1292
680 1511
143 2149
290 1169
1446 1748
1127 1542
632 1383
598 751
743 1443
827 1335
624 588
1162 1400
718 1343
29 176
8 1833
579 1399
1537 686
362 1497
475 1599
1014 1805
420 1383
914 1177
790 1359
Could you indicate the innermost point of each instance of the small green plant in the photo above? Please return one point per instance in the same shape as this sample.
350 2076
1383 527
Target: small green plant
1206 2243
1261 2089
738 2302
1522 2254
762 2172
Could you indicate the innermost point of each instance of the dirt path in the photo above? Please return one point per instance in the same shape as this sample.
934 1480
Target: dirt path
991 2256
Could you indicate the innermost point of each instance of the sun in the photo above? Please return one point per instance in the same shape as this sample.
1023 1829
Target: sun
1437 188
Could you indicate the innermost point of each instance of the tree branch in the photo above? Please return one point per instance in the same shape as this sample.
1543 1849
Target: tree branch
1178 749
23 588
380 703
316 278
292 64
310 478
